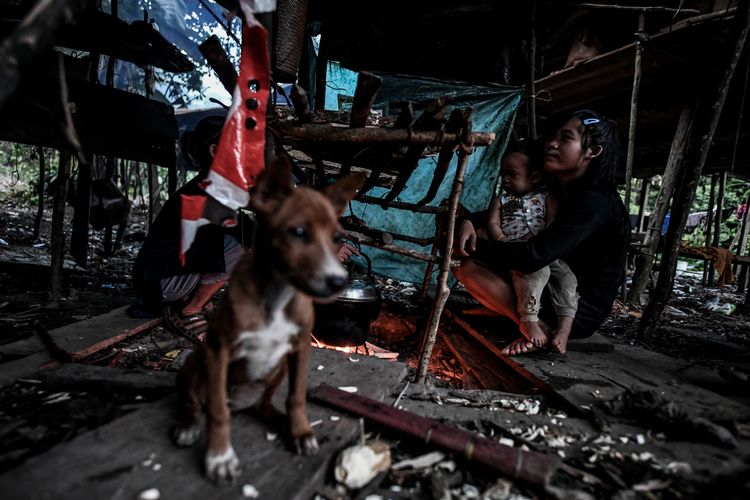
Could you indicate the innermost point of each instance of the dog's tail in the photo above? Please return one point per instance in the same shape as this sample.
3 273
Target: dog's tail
53 348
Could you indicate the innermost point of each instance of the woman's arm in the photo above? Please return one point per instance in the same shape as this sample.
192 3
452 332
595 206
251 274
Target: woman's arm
575 222
494 226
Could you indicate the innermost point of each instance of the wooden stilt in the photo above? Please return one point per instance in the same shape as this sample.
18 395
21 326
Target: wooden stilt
150 182
442 291
57 233
531 108
79 241
741 246
718 219
40 193
645 191
703 133
646 257
709 228
631 130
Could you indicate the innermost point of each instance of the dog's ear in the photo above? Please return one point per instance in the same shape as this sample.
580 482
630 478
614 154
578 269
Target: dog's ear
344 190
274 184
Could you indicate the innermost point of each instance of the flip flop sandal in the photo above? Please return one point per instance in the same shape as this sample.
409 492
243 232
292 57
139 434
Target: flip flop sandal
193 327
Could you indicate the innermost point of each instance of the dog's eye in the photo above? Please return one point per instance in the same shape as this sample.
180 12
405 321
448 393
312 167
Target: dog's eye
299 232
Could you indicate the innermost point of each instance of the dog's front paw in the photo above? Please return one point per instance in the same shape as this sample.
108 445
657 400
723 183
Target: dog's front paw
306 445
187 436
223 466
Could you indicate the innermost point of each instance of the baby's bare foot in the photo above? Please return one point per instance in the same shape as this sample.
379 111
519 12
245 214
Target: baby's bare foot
559 337
560 340
532 331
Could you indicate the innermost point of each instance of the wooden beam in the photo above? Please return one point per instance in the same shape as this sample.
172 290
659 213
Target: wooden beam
741 247
645 191
635 8
531 98
331 134
716 241
219 61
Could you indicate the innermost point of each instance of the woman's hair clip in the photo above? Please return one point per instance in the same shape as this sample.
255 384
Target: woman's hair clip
590 121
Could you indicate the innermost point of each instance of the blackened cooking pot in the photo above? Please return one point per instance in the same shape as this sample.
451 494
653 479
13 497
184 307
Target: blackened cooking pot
345 322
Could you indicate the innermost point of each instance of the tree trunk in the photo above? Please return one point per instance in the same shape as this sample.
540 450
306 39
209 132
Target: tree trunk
645 261
40 194
706 123
57 233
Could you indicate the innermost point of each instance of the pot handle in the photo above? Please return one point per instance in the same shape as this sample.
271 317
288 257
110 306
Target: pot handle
369 264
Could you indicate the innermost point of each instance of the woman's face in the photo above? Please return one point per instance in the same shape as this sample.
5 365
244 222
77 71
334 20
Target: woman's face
564 155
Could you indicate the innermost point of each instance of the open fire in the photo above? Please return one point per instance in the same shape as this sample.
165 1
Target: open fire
366 349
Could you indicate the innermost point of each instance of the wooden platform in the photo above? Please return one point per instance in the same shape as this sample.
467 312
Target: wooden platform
119 460
80 339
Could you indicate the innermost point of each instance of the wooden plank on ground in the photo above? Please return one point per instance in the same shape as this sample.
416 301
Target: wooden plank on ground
87 377
117 460
585 378
82 338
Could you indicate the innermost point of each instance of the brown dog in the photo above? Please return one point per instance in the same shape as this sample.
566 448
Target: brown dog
261 328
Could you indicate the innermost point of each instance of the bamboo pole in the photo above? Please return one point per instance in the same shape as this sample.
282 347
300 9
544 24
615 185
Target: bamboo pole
634 8
57 233
442 291
644 263
388 247
40 193
699 153
412 207
709 228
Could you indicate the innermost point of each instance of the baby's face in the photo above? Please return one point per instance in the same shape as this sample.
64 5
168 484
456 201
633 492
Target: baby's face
517 178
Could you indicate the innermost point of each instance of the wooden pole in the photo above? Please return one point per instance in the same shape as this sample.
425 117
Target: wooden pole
634 108
442 291
531 108
709 228
312 132
57 233
718 219
645 261
40 193
698 152
743 243
645 191
631 130
655 8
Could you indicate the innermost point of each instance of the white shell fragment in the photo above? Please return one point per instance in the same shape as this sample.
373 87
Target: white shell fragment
149 494
250 491
358 465
348 388
421 462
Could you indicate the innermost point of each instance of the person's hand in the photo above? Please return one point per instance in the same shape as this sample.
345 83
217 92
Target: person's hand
345 251
467 239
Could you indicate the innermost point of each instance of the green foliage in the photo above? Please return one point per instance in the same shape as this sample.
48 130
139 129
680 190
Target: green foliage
19 172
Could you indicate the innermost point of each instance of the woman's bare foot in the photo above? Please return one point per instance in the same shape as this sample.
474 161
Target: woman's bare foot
519 346
561 333
533 332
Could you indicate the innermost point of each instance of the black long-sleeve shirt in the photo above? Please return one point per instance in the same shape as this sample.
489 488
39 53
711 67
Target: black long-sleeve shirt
590 233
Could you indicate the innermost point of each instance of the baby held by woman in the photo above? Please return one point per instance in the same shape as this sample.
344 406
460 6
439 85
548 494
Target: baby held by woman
523 210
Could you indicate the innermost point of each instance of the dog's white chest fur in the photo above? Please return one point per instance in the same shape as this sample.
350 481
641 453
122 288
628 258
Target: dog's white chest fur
264 348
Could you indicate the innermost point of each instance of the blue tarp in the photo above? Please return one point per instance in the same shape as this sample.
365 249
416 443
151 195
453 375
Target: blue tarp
494 111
